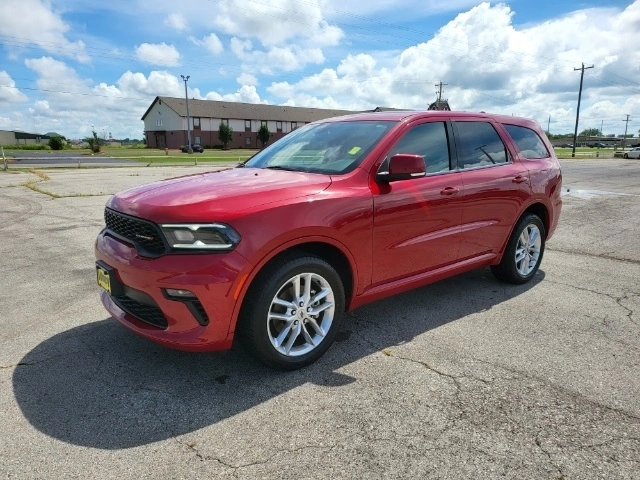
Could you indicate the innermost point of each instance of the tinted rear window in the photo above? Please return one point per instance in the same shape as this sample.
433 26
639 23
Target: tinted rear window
479 145
528 141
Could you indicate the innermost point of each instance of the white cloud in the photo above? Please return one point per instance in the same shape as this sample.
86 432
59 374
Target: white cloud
492 65
247 79
211 42
275 23
35 23
288 58
246 94
176 21
9 93
158 54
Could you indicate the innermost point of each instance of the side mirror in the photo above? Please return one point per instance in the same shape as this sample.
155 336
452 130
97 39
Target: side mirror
403 166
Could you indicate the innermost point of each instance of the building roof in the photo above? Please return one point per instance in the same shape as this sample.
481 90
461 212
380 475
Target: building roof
247 111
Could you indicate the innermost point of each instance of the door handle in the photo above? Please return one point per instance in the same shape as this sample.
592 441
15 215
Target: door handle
449 191
519 179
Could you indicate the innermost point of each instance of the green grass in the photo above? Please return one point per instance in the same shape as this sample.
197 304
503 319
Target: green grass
584 152
161 156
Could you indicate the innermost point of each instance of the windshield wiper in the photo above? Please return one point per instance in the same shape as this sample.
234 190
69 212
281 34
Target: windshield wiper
280 167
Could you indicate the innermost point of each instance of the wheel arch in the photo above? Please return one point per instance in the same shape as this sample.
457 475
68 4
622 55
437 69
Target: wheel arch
537 208
333 252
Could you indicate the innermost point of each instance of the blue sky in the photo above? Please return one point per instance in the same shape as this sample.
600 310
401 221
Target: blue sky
69 65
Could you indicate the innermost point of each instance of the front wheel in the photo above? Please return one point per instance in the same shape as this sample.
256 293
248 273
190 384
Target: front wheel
292 312
524 251
626 156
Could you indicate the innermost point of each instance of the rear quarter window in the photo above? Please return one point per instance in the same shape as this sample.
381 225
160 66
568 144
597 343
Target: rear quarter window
528 141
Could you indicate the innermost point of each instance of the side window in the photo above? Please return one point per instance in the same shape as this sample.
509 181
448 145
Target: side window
528 141
430 141
478 145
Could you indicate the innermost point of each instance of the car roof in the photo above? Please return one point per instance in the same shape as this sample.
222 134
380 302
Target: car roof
411 115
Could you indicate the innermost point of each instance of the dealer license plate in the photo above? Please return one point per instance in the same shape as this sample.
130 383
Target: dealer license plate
104 280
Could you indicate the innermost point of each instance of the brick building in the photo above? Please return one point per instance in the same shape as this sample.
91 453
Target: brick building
165 121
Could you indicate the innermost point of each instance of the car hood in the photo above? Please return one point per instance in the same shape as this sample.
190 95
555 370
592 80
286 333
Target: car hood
215 196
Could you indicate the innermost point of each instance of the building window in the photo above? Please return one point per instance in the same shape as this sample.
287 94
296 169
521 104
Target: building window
263 123
247 125
225 121
279 126
196 123
294 125
197 140
159 122
247 141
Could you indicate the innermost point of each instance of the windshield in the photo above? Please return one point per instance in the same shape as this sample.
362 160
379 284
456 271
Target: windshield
334 148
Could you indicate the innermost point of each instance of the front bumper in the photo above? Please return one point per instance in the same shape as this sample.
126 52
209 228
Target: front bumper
213 278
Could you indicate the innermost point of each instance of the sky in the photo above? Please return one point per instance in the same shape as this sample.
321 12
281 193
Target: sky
73 66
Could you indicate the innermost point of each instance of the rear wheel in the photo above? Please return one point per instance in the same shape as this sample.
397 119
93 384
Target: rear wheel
626 155
292 312
524 251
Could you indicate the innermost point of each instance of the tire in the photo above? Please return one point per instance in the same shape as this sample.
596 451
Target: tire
288 330
625 156
524 251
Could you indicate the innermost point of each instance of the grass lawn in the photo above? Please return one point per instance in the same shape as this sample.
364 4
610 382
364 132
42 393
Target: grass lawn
157 155
584 152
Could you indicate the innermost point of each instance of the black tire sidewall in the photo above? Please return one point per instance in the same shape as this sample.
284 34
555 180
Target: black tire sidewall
508 265
264 290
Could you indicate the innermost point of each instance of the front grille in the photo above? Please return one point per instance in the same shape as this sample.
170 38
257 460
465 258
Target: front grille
150 314
145 235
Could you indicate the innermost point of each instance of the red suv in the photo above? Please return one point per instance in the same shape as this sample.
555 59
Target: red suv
336 214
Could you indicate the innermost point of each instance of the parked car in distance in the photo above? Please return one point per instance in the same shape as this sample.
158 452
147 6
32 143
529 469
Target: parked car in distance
196 148
566 145
336 214
633 153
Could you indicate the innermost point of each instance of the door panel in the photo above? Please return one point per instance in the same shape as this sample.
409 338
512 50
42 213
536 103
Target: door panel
417 221
495 187
416 226
492 199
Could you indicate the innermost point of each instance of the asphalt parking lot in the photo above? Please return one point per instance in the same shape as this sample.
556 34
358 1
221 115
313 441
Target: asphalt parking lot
467 378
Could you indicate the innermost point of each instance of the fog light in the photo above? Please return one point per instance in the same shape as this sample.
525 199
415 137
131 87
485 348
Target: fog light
179 293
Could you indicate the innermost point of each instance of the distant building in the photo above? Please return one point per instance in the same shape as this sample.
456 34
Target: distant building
165 121
440 104
18 137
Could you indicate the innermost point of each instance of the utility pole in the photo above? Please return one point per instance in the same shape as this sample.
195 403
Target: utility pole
440 90
624 139
575 133
186 96
549 126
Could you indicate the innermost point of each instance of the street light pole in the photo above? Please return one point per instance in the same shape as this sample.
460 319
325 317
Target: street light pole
186 96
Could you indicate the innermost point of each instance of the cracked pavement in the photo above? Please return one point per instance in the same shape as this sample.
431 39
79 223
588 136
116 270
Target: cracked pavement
466 378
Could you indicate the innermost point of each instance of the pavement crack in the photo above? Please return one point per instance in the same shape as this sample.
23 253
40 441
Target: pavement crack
19 364
30 364
617 299
604 256
548 455
573 394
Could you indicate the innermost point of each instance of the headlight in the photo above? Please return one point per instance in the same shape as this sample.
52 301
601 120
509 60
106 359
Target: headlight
197 236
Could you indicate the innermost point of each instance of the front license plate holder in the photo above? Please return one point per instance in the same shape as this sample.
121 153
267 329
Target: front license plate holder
106 278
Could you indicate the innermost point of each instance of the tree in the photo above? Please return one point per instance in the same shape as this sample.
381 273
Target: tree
590 132
225 134
57 142
94 142
264 134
